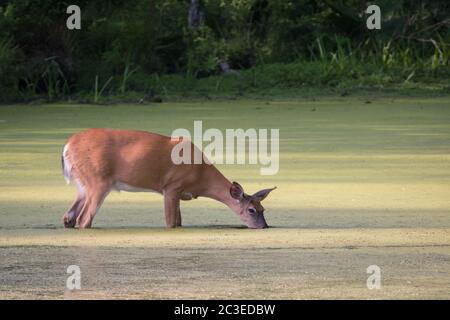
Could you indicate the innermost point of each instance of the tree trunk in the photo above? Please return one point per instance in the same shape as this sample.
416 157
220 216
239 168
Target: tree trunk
195 14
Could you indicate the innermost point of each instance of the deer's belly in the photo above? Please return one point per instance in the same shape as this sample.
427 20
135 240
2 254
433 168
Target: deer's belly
121 186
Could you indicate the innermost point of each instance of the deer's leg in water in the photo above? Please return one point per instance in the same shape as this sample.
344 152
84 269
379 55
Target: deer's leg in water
94 200
178 218
171 208
70 217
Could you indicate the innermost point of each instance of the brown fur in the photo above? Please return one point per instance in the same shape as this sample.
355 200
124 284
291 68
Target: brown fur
100 158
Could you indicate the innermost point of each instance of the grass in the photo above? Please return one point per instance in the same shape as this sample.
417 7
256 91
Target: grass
359 183
302 79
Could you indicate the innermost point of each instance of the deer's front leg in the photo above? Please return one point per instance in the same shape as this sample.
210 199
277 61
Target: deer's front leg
171 208
178 220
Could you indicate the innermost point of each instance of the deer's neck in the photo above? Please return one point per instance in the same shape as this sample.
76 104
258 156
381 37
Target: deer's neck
218 188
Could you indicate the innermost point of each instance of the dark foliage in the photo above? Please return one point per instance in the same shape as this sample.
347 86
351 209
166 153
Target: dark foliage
125 45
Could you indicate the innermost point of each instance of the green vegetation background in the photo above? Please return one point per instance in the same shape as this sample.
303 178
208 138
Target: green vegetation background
147 50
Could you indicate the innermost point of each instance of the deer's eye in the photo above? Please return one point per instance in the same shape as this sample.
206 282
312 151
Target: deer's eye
251 210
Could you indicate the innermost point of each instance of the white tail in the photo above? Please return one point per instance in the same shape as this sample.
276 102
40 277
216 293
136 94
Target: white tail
66 165
100 160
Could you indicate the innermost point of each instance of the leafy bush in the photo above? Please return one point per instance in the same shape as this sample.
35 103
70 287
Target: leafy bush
140 45
9 73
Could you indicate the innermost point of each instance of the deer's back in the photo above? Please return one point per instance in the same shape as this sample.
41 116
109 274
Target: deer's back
139 158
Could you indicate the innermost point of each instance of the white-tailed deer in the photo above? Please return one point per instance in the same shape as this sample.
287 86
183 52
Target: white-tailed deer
101 160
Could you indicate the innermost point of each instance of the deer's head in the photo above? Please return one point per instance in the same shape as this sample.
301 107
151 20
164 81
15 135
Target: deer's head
249 208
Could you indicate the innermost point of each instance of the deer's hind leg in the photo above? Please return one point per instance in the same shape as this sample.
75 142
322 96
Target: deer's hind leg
94 199
70 217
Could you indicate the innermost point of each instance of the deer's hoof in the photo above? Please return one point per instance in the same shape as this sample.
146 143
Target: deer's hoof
68 221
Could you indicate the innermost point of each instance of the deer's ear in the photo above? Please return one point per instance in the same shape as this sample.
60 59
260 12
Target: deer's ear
261 195
236 191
